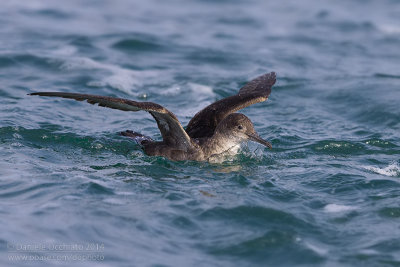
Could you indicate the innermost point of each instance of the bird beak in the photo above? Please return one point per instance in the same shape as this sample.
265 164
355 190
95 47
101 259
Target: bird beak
256 138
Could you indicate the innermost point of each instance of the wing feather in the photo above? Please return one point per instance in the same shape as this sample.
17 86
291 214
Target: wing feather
203 124
170 127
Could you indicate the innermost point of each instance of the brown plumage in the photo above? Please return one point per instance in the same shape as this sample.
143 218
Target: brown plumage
214 130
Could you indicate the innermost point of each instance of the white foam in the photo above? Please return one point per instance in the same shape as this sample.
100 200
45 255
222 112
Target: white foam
16 144
174 90
119 78
126 193
389 29
84 63
316 248
204 96
393 170
200 89
66 50
334 208
17 136
114 201
50 205
122 79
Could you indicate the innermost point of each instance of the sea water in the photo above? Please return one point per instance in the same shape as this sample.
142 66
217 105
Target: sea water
74 192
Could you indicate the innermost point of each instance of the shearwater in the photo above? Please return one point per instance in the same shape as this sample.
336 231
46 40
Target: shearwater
215 130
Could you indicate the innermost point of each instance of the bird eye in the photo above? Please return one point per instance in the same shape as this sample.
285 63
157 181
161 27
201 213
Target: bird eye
240 127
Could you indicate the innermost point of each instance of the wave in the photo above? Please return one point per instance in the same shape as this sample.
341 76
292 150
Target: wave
334 208
393 170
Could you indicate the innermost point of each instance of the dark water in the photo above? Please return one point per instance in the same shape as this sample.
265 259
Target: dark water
327 194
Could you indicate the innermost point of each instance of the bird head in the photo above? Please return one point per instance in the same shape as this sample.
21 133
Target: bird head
240 128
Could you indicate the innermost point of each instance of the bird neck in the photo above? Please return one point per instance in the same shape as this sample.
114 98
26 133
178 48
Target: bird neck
220 143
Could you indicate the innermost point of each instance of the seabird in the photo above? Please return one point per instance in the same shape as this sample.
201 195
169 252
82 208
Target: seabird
215 130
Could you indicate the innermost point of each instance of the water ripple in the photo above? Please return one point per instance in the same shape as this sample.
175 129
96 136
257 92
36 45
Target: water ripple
326 194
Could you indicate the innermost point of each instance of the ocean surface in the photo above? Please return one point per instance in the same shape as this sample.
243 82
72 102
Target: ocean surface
75 193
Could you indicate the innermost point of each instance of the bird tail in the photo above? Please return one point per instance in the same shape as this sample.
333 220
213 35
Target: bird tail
137 137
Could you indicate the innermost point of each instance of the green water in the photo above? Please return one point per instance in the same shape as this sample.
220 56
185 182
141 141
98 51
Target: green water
327 194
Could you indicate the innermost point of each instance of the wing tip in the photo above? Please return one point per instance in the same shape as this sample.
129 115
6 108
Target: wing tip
272 77
43 93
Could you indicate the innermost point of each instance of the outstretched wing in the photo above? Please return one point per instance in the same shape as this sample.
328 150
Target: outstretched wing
170 128
203 124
